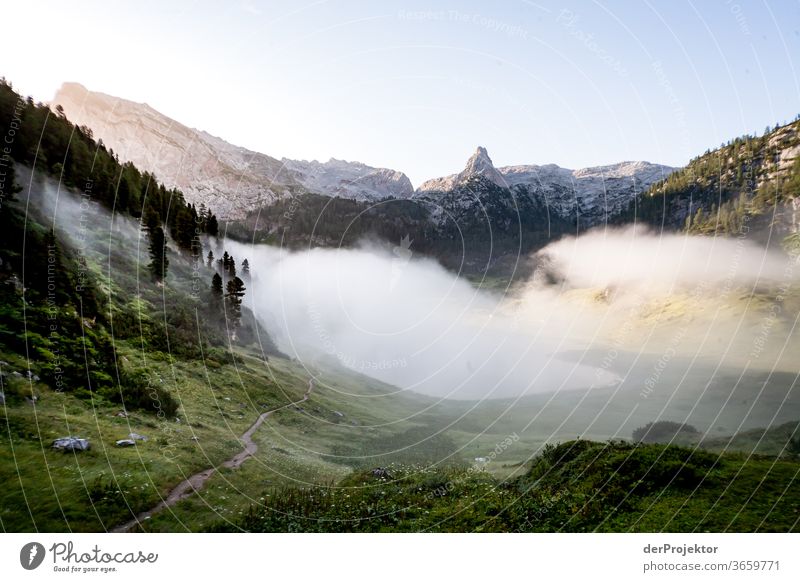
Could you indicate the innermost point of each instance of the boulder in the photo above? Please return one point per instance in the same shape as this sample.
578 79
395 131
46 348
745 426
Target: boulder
381 473
126 443
137 437
71 444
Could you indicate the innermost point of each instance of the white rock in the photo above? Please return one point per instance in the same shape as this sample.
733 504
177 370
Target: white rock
71 444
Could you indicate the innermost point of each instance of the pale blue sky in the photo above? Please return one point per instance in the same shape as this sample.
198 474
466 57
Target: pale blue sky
417 85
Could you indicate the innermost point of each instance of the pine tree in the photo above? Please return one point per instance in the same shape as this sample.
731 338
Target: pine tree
8 184
234 296
158 254
216 295
246 268
202 217
210 259
231 267
183 228
212 228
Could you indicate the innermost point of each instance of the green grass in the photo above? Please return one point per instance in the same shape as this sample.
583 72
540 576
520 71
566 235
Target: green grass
578 486
350 421
775 441
94 490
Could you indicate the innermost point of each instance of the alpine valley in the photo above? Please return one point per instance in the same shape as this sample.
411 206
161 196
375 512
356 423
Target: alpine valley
199 337
481 218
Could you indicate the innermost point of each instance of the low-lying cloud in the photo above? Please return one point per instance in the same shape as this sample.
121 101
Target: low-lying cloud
409 322
405 320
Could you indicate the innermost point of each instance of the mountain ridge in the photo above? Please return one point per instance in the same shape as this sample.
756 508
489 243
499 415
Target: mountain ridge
233 180
591 194
228 178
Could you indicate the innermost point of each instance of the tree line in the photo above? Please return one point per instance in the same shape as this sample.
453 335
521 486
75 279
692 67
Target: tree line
45 140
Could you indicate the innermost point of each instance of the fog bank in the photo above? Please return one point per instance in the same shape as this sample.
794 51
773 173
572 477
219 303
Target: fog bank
407 321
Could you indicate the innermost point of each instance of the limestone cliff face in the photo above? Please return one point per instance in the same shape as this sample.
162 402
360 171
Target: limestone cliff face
230 180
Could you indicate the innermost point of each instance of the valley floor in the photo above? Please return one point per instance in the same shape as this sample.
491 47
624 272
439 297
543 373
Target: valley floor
356 456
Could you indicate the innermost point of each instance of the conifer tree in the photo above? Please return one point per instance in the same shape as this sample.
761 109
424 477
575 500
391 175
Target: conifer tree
231 267
158 254
234 296
212 228
216 295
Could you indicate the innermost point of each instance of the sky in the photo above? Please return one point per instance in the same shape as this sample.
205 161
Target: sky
417 85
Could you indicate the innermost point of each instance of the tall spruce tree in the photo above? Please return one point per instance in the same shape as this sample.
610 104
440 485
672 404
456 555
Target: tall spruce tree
212 227
217 295
234 296
158 254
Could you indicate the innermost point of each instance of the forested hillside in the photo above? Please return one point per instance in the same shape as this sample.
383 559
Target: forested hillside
72 282
748 183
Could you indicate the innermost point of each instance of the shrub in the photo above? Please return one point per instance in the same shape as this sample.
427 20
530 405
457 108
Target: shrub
665 431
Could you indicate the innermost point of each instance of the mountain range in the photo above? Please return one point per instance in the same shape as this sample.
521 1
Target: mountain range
233 181
588 195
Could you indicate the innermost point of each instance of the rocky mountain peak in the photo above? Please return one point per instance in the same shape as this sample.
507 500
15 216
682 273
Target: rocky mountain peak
480 164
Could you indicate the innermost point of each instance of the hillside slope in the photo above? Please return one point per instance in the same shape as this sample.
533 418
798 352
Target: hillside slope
749 183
